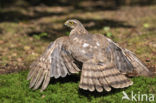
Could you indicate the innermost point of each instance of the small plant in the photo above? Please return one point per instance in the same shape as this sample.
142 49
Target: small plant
106 28
146 25
67 33
107 31
39 36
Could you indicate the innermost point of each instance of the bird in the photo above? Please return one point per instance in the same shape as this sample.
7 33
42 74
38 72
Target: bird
103 64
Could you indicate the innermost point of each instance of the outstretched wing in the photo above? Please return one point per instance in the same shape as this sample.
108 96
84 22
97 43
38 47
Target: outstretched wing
139 68
126 61
102 76
54 62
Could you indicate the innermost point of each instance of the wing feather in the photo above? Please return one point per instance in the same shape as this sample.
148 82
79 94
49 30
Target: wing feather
51 64
117 56
139 67
69 62
39 81
46 81
125 60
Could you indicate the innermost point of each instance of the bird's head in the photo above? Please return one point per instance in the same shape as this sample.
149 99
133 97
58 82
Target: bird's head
72 23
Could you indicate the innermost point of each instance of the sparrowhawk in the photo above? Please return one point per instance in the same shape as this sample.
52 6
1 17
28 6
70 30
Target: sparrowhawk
104 64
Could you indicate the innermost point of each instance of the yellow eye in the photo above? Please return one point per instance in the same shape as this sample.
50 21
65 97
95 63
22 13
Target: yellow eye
71 23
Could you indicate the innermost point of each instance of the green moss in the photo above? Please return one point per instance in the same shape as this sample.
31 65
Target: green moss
15 89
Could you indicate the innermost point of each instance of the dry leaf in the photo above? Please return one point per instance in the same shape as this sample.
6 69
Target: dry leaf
26 47
1 41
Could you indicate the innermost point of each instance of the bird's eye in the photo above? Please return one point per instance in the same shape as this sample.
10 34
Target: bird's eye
71 23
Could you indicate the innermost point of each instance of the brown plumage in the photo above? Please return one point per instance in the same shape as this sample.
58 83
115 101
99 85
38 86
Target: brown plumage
104 63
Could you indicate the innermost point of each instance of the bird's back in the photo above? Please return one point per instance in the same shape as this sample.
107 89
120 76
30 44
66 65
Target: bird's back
88 46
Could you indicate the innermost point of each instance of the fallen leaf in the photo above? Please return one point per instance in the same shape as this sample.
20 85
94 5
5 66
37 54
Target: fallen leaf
19 59
35 54
26 47
1 41
14 54
147 60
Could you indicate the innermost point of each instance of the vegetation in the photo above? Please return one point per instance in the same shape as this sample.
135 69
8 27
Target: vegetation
14 89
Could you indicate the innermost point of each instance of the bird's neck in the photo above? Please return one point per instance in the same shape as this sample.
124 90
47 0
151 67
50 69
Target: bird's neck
79 30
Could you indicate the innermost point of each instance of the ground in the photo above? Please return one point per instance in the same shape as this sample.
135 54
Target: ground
25 33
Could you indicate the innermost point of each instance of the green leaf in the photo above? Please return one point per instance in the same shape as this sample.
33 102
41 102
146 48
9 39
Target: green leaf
109 34
36 37
67 33
43 34
39 36
106 28
146 25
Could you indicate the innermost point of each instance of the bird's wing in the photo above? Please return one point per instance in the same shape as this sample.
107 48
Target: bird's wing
54 62
98 76
139 68
125 60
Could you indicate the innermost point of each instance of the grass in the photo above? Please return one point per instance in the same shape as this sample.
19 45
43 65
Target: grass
15 89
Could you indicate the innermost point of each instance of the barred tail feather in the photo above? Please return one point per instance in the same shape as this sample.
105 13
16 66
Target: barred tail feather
102 77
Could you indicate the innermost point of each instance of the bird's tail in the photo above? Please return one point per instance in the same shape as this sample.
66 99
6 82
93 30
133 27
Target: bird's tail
101 77
139 68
